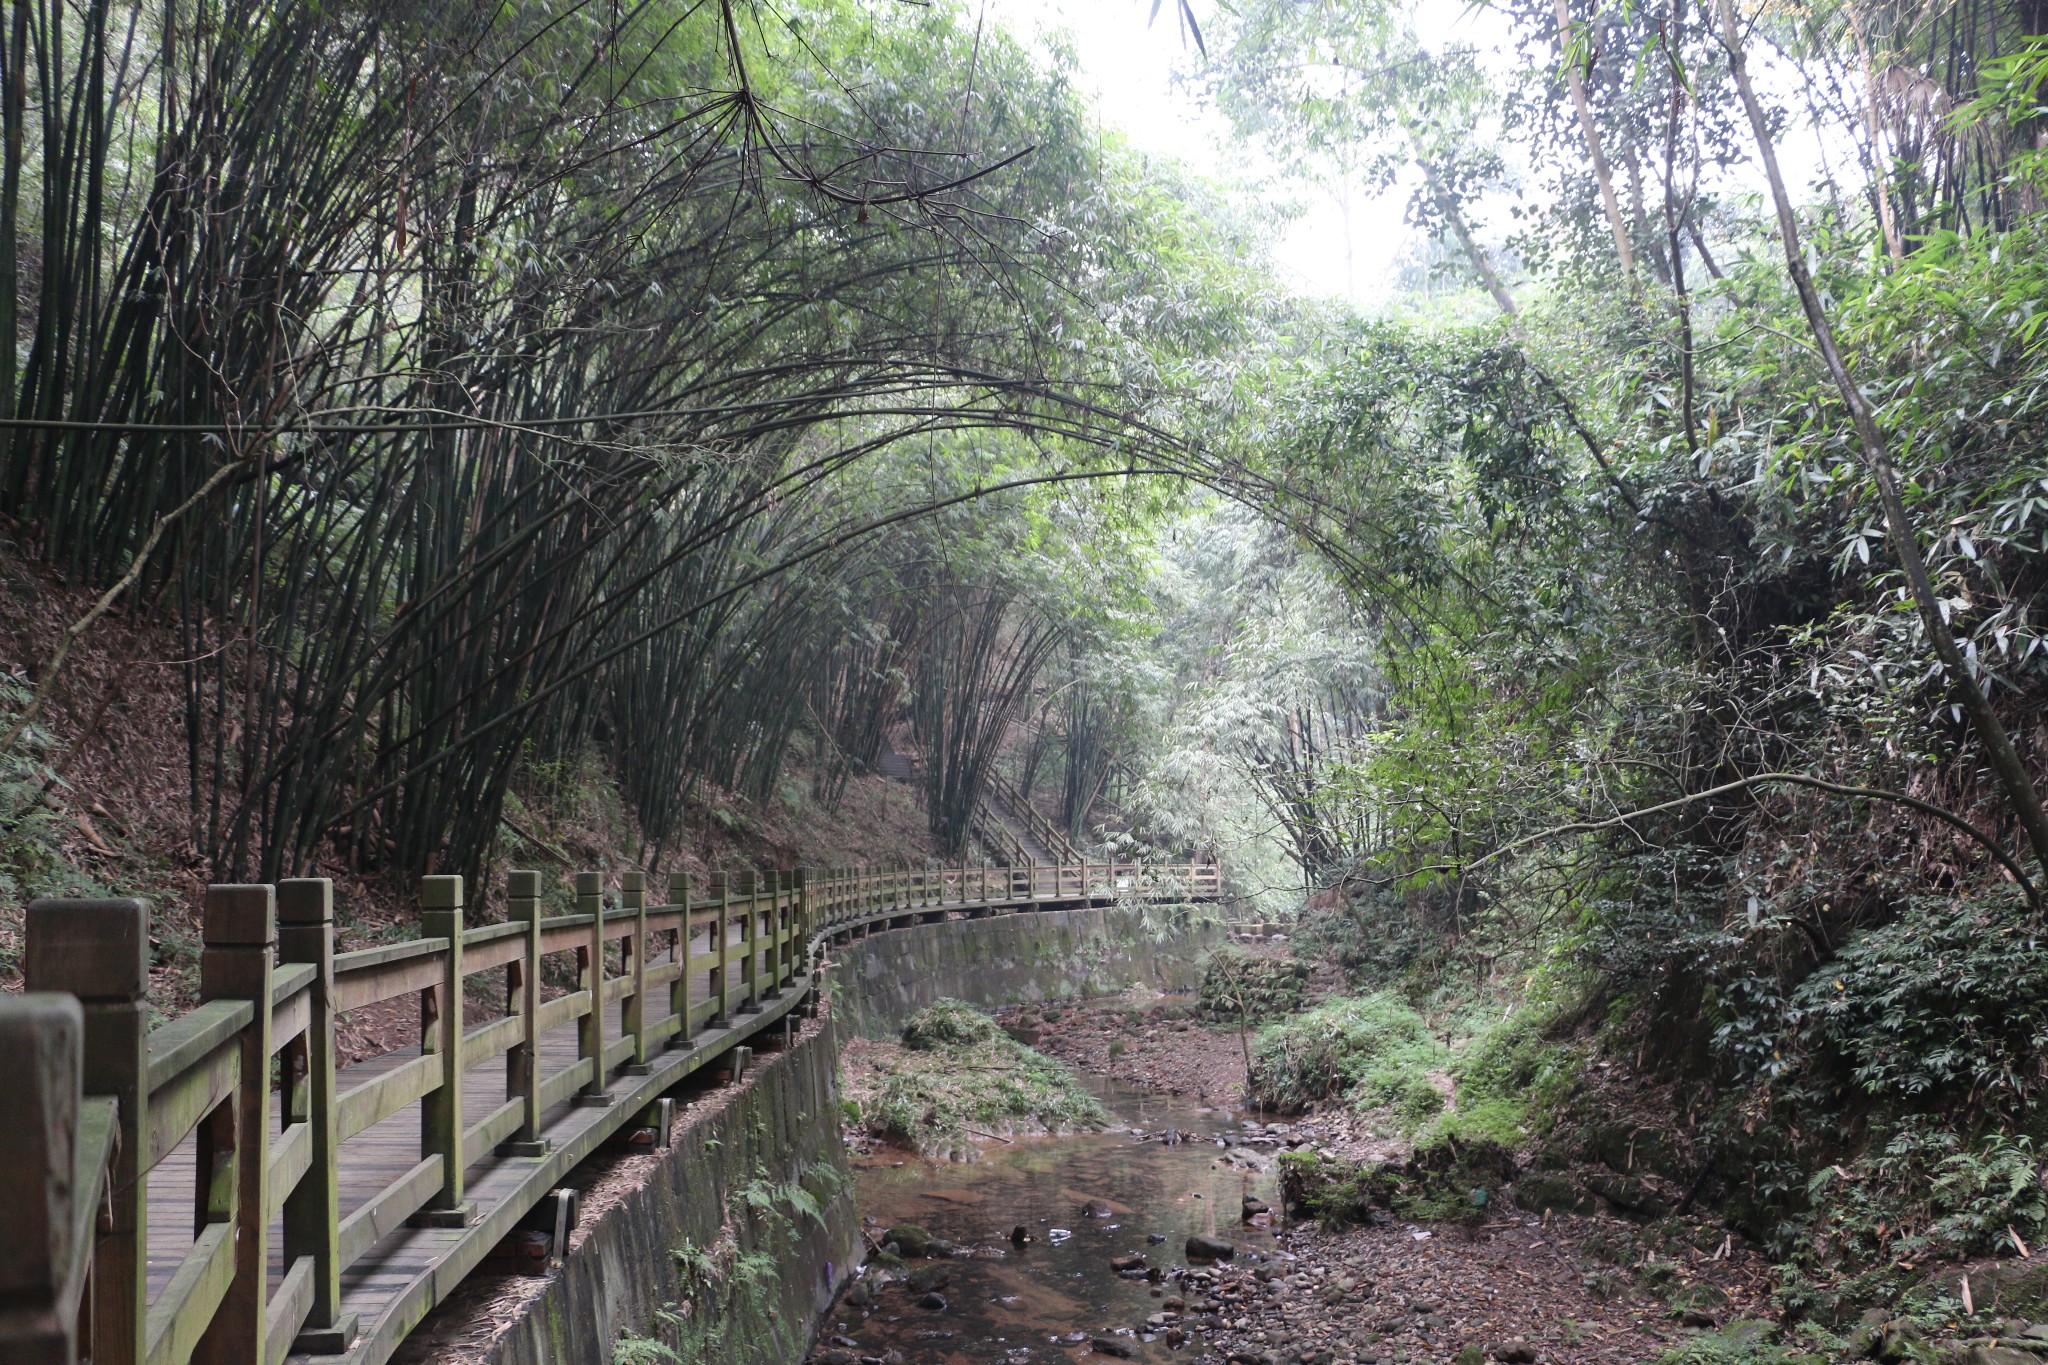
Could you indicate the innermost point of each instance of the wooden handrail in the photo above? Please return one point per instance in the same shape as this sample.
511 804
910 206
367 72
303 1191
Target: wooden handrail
728 958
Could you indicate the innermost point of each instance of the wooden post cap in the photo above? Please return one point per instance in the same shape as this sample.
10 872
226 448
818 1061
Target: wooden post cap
41 1047
305 900
678 886
440 893
590 883
522 883
239 916
93 949
632 881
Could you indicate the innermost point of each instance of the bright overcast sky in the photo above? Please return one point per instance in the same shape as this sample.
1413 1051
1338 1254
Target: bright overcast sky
1127 66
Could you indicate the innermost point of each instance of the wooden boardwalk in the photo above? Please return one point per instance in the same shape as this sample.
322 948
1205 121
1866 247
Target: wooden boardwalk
240 1197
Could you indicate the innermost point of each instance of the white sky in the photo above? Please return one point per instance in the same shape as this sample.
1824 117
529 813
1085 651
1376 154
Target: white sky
1126 66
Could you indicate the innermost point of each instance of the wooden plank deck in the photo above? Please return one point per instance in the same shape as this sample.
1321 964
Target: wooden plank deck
409 1269
383 1153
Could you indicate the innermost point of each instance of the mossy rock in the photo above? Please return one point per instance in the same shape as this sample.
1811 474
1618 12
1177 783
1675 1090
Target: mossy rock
914 1240
1629 1194
1552 1194
2017 1289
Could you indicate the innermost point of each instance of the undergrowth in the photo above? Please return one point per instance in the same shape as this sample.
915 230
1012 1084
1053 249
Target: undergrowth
1370 1051
961 1076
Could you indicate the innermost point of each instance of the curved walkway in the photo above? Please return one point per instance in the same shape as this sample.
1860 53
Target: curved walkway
239 1198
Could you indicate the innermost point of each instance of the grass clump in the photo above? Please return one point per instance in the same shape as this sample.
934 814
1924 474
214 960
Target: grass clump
949 1024
960 1077
1372 1051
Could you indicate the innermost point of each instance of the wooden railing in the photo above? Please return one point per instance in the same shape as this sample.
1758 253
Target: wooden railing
1042 829
327 1221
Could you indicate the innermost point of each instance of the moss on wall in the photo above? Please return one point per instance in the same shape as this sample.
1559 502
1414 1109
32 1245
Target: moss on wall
730 1253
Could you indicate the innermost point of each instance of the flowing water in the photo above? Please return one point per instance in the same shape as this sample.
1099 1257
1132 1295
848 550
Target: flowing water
1047 1300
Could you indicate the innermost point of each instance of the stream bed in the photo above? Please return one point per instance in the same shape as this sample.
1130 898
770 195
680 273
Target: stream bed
1056 1296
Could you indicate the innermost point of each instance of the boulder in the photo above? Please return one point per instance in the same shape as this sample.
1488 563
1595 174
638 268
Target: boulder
1110 1346
1133 1261
911 1239
1513 1351
1095 1208
934 1301
925 1279
1205 1248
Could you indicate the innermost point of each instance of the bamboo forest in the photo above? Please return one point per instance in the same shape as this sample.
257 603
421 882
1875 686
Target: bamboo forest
1023 682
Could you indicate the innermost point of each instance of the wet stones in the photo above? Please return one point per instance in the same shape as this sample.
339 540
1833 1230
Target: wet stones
1133 1261
1110 1346
1096 1208
926 1279
1205 1248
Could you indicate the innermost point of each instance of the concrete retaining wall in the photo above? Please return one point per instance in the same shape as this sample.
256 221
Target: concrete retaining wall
716 1256
712 1252
881 981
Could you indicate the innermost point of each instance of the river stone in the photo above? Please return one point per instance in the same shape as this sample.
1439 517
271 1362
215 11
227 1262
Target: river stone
1205 1248
1095 1208
1254 1207
925 1279
1514 1351
1110 1346
912 1239
1134 1261
934 1301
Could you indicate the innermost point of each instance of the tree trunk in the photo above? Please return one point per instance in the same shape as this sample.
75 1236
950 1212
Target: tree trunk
1623 249
1447 204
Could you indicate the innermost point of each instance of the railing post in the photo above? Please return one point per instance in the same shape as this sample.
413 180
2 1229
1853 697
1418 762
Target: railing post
441 1031
239 932
679 989
633 896
785 927
590 1031
42 1044
721 935
312 1211
750 976
800 928
522 994
97 950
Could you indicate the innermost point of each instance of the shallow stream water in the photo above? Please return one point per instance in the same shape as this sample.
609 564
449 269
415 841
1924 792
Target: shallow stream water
1048 1300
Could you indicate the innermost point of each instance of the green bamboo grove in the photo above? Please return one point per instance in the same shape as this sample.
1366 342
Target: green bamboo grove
473 382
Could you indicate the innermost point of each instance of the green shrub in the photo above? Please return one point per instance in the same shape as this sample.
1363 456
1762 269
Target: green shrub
1945 1009
1370 1050
1925 1191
